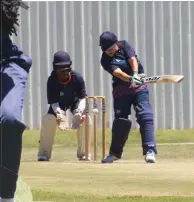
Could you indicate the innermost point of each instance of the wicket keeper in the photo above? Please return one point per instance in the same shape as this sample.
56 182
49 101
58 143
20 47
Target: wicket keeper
65 90
14 70
120 60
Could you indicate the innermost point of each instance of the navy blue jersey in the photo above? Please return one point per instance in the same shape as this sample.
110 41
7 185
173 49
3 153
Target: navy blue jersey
120 60
8 49
67 95
10 52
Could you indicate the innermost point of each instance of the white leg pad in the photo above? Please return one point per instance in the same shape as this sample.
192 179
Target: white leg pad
47 133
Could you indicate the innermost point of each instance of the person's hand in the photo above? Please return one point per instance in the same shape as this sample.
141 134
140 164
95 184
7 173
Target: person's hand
61 120
136 79
77 118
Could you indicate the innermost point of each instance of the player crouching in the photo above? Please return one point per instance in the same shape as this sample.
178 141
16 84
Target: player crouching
65 90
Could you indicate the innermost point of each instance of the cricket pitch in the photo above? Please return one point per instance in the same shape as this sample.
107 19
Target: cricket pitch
66 179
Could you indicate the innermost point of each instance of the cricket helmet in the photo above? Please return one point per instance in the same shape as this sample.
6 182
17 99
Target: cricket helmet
107 39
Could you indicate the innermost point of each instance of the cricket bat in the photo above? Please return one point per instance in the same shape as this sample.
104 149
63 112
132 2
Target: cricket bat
163 79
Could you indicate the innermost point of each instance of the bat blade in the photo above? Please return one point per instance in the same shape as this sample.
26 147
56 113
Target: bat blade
164 79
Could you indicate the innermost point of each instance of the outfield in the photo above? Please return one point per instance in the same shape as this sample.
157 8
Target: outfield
64 179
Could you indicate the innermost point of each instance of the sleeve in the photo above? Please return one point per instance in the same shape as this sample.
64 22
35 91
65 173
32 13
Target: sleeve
78 106
129 51
108 67
52 93
81 87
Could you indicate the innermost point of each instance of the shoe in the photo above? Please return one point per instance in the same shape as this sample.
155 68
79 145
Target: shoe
43 158
150 156
109 159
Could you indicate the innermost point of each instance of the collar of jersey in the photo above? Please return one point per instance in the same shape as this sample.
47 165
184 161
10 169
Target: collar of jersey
66 82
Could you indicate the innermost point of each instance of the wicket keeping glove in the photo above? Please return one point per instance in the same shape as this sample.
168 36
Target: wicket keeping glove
61 120
136 79
78 114
77 118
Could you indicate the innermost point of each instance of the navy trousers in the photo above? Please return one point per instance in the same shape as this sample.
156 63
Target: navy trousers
144 115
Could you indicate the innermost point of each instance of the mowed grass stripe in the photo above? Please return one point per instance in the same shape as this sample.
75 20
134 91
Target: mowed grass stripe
64 179
62 197
69 138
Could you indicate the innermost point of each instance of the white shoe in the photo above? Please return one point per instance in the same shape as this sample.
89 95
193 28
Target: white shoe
43 158
150 156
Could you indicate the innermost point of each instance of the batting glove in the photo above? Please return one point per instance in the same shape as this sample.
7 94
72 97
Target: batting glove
136 80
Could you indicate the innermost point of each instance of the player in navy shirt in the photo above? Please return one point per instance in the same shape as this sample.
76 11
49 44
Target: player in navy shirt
120 60
65 90
14 69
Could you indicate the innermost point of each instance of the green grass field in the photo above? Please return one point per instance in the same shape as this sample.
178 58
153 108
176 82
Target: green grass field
64 179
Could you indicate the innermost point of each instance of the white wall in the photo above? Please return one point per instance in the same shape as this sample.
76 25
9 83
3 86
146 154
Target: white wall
161 32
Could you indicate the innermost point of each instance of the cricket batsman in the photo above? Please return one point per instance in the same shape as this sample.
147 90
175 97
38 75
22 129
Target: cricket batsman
65 90
120 60
14 70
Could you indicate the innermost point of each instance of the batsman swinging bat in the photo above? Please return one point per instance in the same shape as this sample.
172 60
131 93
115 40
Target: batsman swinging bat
163 79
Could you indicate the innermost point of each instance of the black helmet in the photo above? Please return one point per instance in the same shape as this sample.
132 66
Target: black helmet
107 39
61 58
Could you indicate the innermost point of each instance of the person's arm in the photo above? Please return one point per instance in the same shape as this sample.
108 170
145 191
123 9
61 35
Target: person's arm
135 80
56 108
121 75
117 72
132 60
134 65
52 92
52 97
131 57
114 70
81 87
81 93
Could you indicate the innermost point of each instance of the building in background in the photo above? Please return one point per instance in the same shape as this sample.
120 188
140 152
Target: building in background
161 32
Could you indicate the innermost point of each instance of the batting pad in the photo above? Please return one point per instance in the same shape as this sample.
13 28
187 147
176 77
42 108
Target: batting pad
47 133
23 192
81 138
